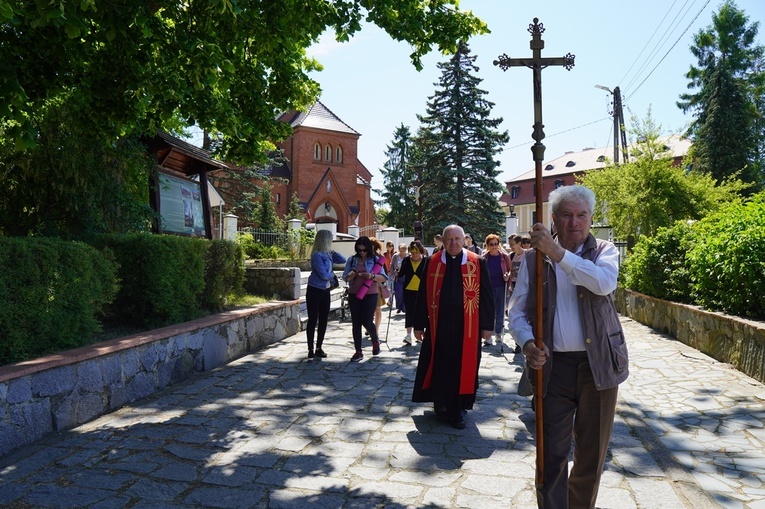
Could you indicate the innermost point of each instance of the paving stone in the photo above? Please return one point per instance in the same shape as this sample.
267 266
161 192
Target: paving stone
273 430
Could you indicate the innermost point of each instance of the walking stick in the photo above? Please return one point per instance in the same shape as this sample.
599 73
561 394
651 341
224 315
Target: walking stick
390 308
538 342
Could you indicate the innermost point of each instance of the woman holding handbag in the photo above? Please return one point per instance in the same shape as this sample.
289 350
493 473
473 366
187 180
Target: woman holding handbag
362 271
320 282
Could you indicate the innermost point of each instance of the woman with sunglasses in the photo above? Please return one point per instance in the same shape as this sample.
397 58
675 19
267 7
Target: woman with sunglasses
362 271
500 272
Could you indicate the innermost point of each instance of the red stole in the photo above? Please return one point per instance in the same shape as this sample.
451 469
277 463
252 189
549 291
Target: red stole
471 284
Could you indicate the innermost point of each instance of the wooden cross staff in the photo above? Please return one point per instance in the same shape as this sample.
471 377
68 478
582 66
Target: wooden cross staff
537 63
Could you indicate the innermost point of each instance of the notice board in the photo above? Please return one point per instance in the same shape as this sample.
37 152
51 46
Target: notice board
180 206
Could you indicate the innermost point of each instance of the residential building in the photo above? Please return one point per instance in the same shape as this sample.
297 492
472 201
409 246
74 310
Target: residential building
563 171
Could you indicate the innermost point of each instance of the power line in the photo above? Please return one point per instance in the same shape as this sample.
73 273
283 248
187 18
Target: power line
561 132
670 49
648 42
672 26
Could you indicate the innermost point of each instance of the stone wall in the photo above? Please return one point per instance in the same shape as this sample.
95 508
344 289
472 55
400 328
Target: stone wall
304 265
59 392
730 339
276 283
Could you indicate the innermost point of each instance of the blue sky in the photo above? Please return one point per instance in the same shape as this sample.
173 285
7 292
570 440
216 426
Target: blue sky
370 83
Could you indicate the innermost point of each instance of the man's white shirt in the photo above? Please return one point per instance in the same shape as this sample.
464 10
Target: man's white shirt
572 271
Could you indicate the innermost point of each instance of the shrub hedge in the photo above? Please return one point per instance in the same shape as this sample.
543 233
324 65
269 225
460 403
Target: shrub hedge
256 250
657 266
717 262
50 294
727 259
53 292
161 278
224 273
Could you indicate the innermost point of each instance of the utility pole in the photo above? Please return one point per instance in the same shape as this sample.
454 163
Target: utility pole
620 133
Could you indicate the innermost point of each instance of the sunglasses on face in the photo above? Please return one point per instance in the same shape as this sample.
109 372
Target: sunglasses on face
414 251
361 250
492 244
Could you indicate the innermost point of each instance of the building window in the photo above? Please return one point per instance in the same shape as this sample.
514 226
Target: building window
558 183
328 153
278 198
514 192
601 159
570 164
317 152
549 167
338 155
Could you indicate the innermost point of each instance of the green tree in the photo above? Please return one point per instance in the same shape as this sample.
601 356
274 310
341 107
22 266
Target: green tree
649 192
728 80
227 66
399 184
381 213
265 212
241 186
73 183
295 211
459 169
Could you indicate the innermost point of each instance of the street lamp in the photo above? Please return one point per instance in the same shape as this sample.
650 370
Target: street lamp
619 131
511 222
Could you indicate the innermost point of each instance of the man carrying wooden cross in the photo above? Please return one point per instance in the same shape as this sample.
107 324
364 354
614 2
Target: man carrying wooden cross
584 356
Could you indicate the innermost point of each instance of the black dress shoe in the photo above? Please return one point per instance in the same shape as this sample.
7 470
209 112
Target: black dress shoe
459 423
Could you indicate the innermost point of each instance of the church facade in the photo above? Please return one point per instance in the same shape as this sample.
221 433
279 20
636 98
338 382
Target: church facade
323 168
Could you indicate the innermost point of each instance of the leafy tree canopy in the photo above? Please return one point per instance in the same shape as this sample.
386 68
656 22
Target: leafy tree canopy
71 185
228 66
649 192
727 95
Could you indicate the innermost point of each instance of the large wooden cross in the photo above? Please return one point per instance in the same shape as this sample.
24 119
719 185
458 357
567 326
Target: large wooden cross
537 63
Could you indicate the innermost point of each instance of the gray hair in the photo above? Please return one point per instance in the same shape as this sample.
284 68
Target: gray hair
322 242
449 227
572 193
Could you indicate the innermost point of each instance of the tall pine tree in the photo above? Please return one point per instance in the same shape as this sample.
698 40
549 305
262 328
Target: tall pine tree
459 143
399 181
729 82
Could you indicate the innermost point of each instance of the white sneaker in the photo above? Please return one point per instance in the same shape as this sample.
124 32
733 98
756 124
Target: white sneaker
408 339
498 338
488 342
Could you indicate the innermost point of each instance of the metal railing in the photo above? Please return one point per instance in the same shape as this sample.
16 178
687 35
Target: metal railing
622 247
269 237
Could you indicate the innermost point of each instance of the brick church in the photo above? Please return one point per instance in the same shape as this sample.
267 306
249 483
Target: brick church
322 167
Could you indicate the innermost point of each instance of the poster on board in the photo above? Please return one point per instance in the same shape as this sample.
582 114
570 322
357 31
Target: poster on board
181 206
